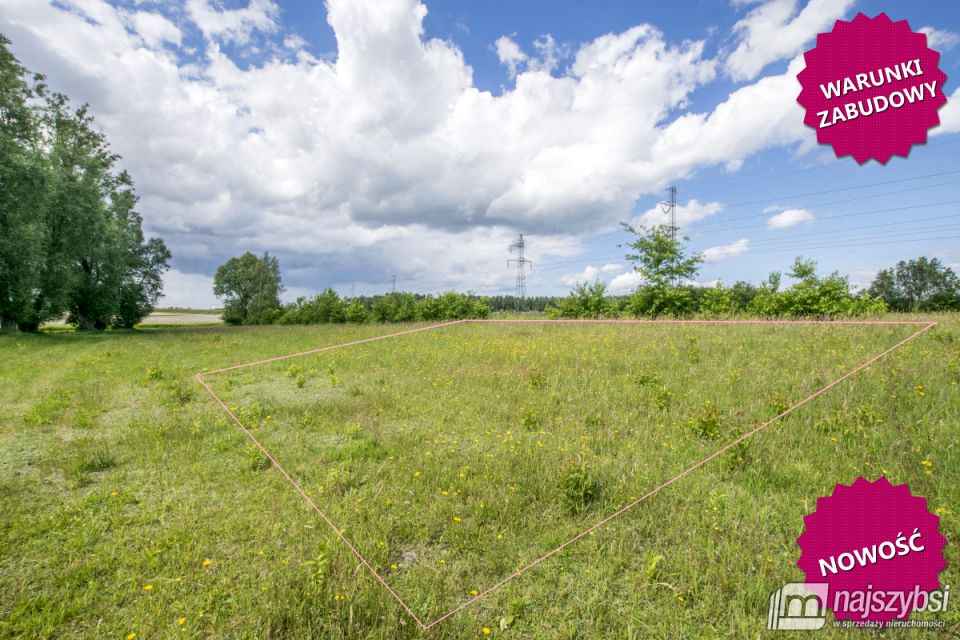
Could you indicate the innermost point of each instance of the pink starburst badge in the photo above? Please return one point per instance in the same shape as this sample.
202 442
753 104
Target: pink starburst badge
872 88
878 549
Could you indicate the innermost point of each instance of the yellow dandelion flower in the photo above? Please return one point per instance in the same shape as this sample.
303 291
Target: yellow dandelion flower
417 474
926 463
147 587
486 631
393 567
131 636
207 562
474 592
456 519
181 621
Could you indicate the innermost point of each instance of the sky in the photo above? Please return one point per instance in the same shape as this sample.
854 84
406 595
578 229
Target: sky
362 140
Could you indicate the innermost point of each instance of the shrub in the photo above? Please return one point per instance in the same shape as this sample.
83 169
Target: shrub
580 489
717 301
585 301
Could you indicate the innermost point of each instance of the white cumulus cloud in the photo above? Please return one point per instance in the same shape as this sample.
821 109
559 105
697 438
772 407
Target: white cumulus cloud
626 282
789 218
940 39
589 274
687 214
775 30
725 251
386 158
233 25
949 116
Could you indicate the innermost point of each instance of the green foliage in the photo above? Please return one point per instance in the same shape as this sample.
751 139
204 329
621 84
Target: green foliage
579 488
250 288
585 301
812 296
707 424
72 241
329 307
656 301
661 260
918 285
355 312
718 301
395 307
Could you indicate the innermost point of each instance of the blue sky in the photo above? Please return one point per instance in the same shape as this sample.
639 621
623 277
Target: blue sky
365 138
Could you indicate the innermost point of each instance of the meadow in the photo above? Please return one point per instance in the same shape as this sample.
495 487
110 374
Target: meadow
451 458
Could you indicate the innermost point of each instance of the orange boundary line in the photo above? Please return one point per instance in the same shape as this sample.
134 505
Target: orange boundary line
924 327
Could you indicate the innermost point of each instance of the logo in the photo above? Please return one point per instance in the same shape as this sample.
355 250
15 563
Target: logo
875 539
798 606
871 88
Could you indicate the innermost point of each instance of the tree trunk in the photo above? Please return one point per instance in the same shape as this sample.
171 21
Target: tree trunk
7 325
86 324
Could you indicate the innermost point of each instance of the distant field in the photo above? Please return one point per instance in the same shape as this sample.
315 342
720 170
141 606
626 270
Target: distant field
450 458
182 317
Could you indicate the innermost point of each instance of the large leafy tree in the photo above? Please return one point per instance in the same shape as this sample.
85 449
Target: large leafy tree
250 287
661 259
24 179
918 285
71 240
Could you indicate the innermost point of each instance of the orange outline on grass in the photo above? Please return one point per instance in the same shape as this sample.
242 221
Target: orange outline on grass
924 326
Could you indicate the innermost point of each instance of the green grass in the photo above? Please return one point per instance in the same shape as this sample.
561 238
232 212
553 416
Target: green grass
451 458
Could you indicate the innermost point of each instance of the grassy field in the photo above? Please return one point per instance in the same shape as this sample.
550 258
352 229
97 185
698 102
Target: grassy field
133 505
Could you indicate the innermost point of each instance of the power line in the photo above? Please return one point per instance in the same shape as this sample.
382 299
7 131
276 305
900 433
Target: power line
670 208
518 246
861 231
568 264
842 239
738 179
850 215
859 244
828 202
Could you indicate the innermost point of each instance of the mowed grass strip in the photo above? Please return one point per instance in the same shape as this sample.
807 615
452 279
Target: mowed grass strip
118 473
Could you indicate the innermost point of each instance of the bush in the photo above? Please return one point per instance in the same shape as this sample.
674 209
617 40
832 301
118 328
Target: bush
585 301
329 307
656 301
580 489
717 301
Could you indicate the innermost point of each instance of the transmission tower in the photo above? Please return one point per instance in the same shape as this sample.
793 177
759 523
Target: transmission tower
670 207
518 248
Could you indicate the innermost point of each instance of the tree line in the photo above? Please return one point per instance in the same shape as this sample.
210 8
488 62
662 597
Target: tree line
250 287
71 241
660 258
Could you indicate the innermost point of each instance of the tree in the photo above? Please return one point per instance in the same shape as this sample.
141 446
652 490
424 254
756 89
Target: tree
660 258
918 285
250 288
70 240
23 183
